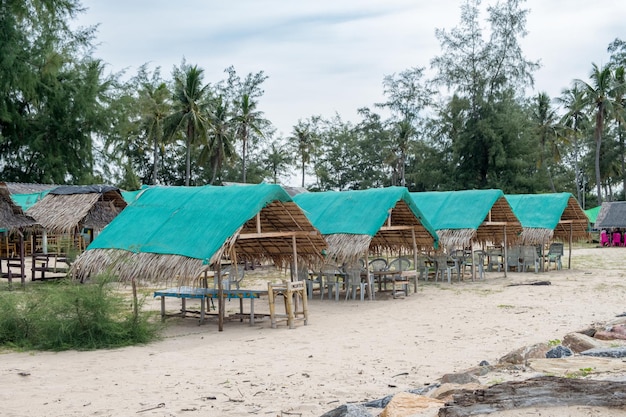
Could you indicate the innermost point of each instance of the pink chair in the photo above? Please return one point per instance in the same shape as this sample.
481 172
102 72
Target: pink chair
617 239
604 238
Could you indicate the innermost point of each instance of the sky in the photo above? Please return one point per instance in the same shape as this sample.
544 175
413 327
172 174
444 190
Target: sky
324 57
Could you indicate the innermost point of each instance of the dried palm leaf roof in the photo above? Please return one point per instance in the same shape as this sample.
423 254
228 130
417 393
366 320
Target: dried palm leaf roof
356 222
12 217
611 215
462 217
68 208
177 233
552 216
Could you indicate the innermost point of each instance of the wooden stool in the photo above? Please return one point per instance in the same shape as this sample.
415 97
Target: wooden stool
294 294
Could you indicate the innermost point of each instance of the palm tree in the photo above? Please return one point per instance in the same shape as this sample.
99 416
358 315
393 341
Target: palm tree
596 97
154 107
247 119
276 160
190 104
404 132
303 139
220 137
545 123
618 93
573 123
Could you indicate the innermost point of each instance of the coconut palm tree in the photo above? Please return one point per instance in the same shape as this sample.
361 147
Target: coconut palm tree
276 160
190 103
154 107
546 128
247 120
303 141
573 123
597 98
220 137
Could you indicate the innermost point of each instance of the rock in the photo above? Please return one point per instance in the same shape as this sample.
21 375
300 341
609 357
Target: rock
460 378
588 332
404 404
579 342
558 352
521 355
619 328
605 335
446 391
349 410
606 352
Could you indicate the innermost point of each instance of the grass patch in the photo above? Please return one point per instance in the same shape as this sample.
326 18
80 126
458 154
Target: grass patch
506 306
66 315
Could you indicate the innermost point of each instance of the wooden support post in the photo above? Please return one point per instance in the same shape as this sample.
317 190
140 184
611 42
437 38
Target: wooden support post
220 297
505 254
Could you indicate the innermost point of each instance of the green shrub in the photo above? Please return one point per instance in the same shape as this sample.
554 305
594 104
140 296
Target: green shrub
68 315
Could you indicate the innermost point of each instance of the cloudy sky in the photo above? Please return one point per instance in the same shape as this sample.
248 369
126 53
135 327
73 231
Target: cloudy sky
326 56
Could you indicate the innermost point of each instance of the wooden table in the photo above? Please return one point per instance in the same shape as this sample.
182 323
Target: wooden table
203 294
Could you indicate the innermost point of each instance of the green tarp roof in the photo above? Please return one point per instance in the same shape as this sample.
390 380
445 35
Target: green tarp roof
130 196
359 212
454 210
26 201
592 213
539 211
187 221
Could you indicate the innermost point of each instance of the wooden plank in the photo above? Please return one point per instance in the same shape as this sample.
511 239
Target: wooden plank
265 235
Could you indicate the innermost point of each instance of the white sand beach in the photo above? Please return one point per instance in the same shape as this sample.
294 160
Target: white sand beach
350 351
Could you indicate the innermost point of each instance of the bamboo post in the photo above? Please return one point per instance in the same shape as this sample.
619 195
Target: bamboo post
220 298
569 261
414 257
504 253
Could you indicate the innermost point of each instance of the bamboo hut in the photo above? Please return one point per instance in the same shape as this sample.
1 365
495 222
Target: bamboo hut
13 221
176 234
355 223
463 218
548 217
66 210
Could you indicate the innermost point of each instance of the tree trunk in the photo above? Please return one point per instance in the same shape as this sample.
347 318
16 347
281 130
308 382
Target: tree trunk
598 139
545 391
244 140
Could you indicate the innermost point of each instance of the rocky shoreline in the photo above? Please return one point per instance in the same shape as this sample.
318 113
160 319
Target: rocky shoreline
586 367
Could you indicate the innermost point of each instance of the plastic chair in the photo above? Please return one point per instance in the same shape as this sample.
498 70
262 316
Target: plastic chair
305 275
616 239
354 282
444 265
398 265
554 255
604 238
494 259
232 276
378 264
529 257
513 258
330 281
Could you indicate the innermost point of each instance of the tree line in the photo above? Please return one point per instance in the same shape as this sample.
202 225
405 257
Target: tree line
473 125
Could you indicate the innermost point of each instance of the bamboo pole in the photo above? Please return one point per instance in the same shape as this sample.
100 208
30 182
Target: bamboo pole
220 297
504 253
569 261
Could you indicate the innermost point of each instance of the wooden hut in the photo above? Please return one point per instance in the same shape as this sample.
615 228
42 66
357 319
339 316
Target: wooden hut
462 218
177 234
548 217
367 221
359 223
66 211
14 222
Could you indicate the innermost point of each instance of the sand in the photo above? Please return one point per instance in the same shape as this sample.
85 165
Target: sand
350 351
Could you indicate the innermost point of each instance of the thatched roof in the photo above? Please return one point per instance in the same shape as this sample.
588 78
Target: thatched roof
462 217
28 188
12 217
552 216
611 215
176 233
68 208
356 222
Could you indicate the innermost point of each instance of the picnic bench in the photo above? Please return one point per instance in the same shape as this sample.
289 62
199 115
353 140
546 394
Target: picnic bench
206 294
